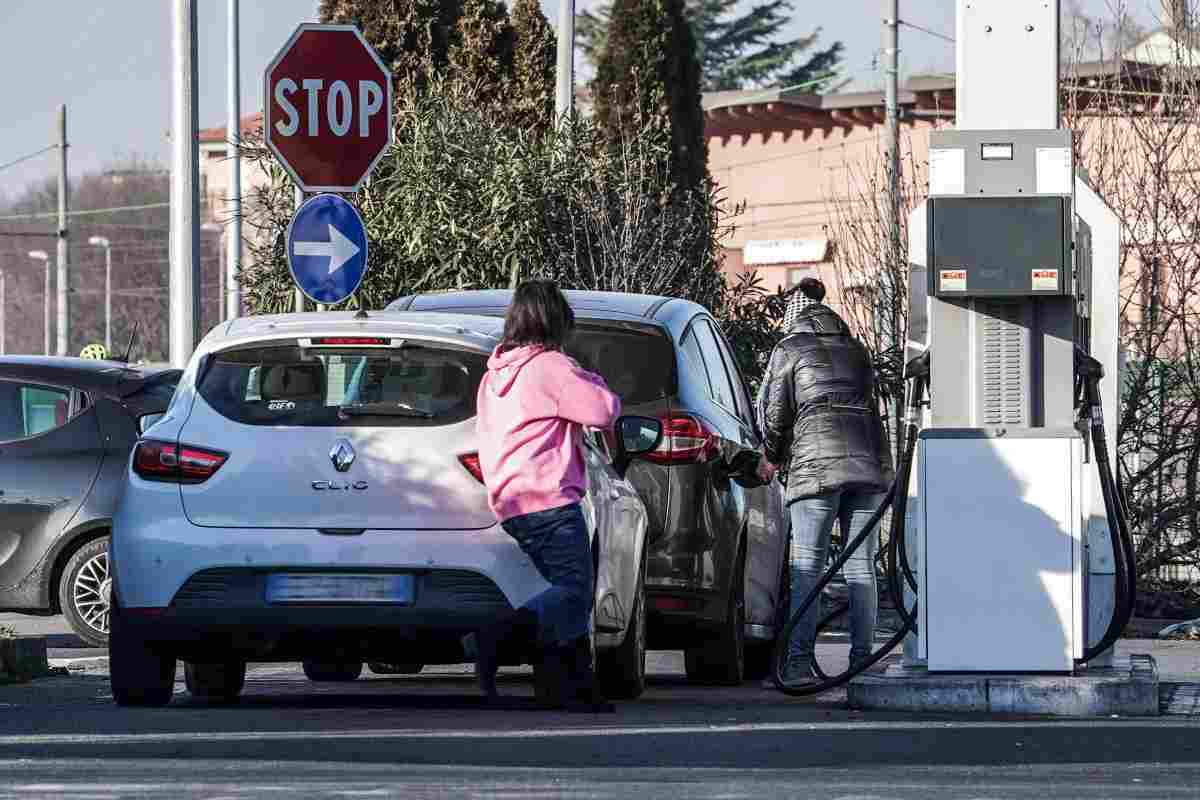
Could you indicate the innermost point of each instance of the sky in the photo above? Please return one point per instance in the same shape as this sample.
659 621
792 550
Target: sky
109 61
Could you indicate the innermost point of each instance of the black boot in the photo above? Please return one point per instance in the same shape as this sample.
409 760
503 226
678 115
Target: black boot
583 690
509 636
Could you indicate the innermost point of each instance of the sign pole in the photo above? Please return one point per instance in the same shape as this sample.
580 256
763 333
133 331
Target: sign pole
298 302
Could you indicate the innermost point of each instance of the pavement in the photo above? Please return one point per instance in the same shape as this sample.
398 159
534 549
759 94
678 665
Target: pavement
431 735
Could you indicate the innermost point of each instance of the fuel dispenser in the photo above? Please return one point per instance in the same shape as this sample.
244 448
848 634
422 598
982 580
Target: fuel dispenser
1006 520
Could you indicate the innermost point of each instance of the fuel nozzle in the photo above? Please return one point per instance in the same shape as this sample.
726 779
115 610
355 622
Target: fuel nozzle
917 371
1088 372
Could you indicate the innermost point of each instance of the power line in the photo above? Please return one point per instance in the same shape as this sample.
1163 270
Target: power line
26 158
86 212
934 33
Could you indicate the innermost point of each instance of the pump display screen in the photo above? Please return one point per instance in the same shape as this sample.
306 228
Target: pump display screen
999 246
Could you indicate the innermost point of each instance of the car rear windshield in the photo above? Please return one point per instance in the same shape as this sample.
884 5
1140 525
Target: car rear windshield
637 363
417 385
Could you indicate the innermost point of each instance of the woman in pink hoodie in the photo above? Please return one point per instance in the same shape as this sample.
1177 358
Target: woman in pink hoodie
532 406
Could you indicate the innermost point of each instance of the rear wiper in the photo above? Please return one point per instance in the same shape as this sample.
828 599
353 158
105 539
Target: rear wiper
383 410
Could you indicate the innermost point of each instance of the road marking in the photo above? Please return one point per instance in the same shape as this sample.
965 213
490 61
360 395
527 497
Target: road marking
563 733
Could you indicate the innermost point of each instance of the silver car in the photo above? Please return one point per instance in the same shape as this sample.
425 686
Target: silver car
66 428
313 494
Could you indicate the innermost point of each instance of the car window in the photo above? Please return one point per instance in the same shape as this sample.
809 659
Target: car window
637 364
28 410
417 385
722 386
691 351
744 406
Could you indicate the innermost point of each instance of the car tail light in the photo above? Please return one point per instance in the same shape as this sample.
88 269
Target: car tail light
172 463
685 440
471 462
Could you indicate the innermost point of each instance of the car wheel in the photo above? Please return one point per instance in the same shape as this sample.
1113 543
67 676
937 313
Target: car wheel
760 656
85 592
403 668
222 681
622 670
138 675
722 659
333 671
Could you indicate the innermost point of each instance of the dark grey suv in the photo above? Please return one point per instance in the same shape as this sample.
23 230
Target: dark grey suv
717 576
66 428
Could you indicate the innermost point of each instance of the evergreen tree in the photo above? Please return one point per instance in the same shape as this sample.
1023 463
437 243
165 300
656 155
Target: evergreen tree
648 76
737 51
412 37
484 51
532 95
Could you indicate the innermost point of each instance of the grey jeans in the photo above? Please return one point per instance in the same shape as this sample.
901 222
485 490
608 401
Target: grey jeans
812 524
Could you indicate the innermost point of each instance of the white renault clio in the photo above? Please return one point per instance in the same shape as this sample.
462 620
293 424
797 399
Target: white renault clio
313 494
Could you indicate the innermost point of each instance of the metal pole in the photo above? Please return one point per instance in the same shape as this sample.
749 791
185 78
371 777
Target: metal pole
46 309
298 297
221 278
891 312
232 301
564 89
108 298
185 182
3 321
63 258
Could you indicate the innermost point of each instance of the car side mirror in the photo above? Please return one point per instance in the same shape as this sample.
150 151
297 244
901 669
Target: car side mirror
146 421
635 437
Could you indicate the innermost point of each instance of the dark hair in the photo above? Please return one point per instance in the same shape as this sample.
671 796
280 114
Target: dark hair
812 288
538 315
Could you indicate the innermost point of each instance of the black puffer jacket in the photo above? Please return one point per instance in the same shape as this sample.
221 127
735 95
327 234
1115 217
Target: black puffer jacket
820 415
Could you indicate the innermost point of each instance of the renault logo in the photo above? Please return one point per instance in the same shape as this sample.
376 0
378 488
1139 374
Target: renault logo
342 455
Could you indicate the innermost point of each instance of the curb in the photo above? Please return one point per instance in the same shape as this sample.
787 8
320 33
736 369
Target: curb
90 664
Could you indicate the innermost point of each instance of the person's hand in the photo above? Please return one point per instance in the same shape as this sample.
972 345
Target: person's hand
766 470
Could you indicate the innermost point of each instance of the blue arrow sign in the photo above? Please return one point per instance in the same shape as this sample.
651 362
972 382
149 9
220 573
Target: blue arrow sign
327 249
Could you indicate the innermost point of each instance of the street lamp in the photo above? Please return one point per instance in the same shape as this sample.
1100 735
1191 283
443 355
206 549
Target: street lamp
40 255
100 241
213 227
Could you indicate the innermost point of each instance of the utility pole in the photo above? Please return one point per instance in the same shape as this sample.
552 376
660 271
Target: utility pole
63 257
100 241
185 183
232 300
44 257
564 95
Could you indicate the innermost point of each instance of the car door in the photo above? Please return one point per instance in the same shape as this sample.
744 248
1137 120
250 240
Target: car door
619 519
49 458
765 526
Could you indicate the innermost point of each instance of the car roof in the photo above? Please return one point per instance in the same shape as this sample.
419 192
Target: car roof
111 378
591 304
478 333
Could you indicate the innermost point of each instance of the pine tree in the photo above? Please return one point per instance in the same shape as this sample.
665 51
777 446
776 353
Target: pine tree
532 93
412 37
648 75
484 51
737 51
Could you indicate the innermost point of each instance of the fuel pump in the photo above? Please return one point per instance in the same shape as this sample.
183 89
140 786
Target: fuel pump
1012 508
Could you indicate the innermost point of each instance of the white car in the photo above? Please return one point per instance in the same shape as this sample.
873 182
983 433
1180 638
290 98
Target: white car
313 494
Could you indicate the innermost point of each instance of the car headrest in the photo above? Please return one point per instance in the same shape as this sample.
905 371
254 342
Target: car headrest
293 382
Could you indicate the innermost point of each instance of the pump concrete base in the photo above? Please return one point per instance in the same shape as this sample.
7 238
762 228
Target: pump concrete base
1128 688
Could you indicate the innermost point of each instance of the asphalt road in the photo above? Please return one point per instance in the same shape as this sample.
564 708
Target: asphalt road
432 736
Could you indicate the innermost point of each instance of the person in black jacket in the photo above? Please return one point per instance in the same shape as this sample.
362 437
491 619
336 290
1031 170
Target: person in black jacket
824 435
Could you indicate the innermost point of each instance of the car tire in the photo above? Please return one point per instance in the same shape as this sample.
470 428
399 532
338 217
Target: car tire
333 671
138 675
622 670
222 681
721 659
85 592
760 656
397 668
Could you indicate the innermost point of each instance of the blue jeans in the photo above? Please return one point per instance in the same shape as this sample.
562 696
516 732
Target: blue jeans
812 524
557 541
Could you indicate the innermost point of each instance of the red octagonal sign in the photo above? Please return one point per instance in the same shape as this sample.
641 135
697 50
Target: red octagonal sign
328 107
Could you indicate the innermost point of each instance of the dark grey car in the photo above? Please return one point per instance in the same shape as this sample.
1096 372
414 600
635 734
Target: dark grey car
717 576
66 428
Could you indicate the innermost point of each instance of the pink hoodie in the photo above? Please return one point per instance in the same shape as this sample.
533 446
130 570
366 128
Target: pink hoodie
531 407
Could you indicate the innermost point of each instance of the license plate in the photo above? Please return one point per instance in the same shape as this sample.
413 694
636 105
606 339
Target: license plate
340 588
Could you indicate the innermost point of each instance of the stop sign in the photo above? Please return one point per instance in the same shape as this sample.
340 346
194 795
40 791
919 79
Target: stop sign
328 107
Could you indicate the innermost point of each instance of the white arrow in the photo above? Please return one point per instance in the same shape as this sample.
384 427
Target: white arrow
338 249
